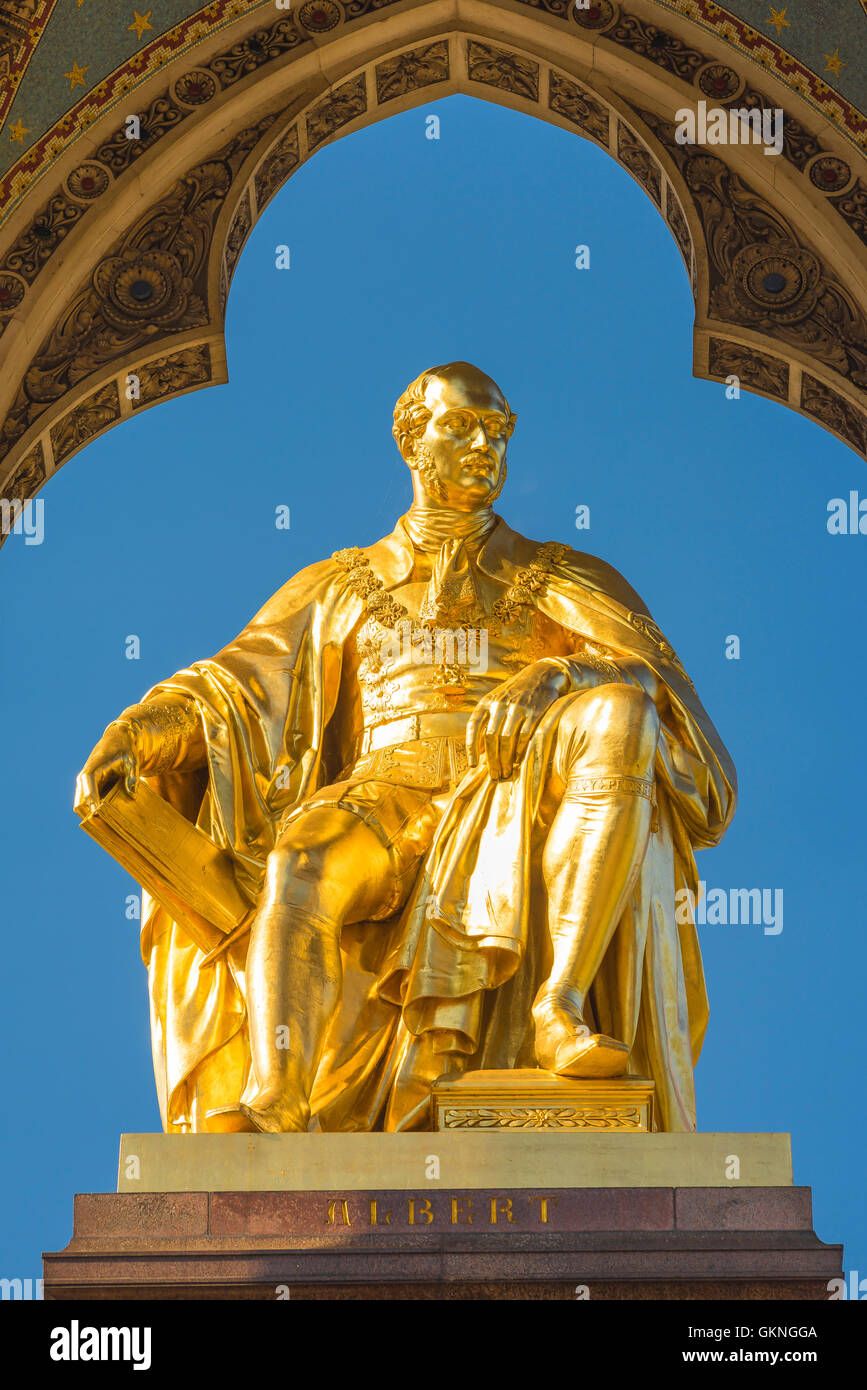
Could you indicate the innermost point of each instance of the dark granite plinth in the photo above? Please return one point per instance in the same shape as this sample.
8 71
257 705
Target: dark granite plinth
623 1243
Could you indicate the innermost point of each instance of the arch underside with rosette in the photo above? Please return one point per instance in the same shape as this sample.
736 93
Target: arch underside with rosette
116 254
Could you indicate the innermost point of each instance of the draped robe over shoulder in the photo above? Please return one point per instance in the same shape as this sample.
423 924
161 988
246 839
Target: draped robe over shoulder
427 992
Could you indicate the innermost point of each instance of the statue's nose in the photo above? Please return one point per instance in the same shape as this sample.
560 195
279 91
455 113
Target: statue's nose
480 437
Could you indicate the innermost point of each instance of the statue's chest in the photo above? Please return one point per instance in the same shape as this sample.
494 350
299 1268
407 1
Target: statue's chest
447 636
412 665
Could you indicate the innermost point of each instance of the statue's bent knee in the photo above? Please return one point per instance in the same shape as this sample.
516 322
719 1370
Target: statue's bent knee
297 874
289 859
619 717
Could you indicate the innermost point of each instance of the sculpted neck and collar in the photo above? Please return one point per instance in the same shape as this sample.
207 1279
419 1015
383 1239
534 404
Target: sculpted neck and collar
452 435
500 552
431 527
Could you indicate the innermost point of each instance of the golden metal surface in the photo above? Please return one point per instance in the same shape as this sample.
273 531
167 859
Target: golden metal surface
459 777
506 1101
532 1159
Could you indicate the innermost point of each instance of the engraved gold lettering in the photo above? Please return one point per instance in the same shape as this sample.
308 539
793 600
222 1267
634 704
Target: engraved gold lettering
425 1211
543 1206
505 1208
331 1218
456 1210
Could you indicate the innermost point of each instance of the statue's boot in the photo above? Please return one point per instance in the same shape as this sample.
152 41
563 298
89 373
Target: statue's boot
294 956
567 1047
592 858
272 1115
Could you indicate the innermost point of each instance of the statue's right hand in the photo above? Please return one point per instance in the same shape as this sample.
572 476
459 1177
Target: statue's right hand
113 758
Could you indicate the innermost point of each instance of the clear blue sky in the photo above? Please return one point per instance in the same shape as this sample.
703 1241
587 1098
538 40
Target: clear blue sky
407 252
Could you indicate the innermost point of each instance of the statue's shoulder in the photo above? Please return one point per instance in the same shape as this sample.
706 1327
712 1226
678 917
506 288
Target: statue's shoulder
315 583
597 573
327 581
570 565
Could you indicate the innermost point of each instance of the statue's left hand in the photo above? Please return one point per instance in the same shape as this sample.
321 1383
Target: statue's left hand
503 722
114 758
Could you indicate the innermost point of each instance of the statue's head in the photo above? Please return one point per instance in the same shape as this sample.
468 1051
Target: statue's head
452 425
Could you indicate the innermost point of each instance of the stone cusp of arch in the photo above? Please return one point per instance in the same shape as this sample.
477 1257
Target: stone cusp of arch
124 270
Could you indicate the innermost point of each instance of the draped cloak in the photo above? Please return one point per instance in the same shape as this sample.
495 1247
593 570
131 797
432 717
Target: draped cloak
448 982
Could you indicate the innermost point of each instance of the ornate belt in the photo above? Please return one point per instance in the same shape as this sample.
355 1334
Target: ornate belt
408 728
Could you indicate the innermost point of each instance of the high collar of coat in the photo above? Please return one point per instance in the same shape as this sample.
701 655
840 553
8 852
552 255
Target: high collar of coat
392 557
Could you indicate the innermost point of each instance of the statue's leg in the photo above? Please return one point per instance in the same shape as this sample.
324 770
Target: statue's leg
602 771
328 869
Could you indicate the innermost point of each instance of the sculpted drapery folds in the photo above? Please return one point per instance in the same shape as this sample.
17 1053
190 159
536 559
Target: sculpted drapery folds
460 777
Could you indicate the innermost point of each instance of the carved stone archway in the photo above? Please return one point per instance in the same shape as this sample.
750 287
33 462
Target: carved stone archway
116 254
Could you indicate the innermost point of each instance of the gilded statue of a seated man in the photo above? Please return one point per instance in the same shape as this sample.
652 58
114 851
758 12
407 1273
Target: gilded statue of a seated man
460 776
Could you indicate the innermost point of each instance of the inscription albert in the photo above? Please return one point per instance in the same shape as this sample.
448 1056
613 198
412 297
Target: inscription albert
442 1209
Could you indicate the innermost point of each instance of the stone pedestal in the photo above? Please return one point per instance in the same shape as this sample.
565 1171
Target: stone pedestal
448 1215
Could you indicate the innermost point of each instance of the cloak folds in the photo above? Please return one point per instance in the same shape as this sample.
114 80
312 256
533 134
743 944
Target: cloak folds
427 992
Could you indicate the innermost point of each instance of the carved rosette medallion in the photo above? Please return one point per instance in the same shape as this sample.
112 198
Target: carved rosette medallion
719 82
319 16
142 287
598 15
88 181
829 173
195 88
11 293
776 280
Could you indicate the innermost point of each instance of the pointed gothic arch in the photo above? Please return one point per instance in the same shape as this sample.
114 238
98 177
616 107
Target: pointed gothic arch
116 255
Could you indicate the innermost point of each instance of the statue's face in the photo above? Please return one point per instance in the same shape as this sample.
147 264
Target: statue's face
465 438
